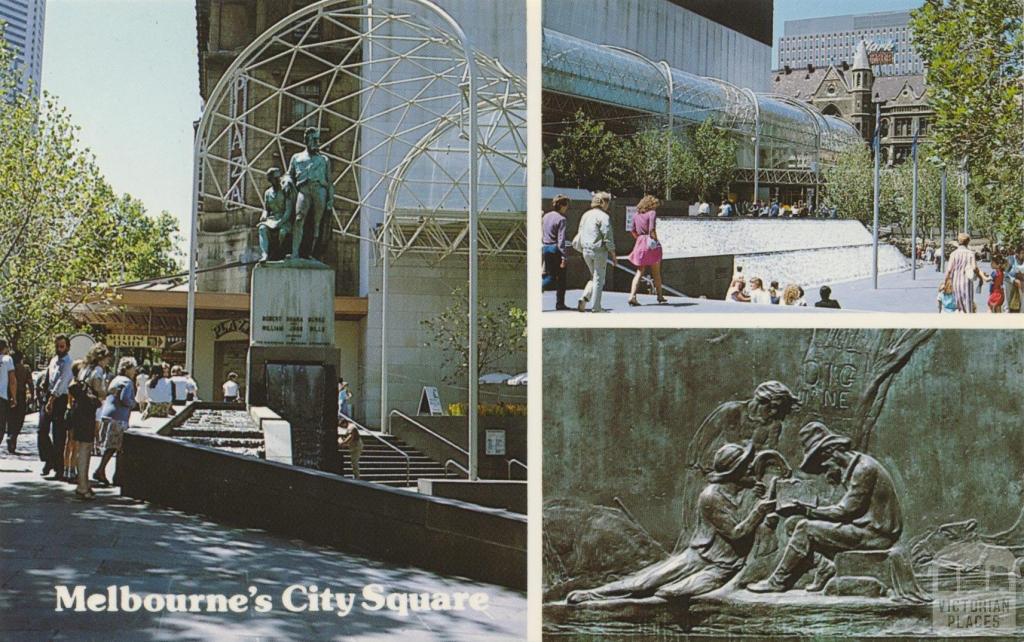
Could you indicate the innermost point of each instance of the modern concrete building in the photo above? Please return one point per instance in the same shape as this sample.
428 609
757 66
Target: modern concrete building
852 91
821 42
23 32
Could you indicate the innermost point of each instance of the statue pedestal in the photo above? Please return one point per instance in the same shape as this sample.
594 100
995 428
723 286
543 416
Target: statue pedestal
293 362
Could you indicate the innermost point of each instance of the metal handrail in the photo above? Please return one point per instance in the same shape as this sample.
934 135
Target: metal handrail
518 463
429 431
408 460
452 462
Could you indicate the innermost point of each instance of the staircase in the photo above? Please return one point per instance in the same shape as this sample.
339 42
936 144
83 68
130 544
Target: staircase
382 465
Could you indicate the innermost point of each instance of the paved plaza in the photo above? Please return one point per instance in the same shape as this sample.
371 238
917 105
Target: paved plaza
897 292
48 537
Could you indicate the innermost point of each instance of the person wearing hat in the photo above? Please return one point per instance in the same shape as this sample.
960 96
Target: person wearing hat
231 388
721 541
868 517
276 223
758 419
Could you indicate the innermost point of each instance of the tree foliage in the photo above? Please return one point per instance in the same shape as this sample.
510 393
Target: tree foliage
649 161
63 231
586 155
974 51
849 188
652 160
501 333
710 162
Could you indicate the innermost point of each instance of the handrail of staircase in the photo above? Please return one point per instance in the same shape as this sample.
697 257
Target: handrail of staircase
408 465
429 431
615 263
452 462
518 463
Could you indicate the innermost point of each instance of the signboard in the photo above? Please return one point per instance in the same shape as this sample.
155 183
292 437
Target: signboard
881 53
235 196
228 326
880 57
292 306
135 341
494 442
430 402
630 213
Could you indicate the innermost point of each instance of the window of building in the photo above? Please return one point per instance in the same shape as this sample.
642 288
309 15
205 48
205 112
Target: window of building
305 102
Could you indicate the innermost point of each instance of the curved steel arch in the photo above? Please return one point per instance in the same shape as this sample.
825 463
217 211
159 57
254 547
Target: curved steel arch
408 64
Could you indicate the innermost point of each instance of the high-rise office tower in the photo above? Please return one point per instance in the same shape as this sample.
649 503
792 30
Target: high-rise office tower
23 32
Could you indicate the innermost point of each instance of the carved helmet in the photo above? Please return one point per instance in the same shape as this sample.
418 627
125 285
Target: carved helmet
814 437
731 462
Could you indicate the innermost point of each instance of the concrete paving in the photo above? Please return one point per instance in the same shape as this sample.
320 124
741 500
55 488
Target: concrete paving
49 537
897 292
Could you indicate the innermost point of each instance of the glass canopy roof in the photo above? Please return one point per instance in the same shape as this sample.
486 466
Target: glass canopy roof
790 134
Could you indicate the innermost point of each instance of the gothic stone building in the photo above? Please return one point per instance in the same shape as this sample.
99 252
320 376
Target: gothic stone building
852 93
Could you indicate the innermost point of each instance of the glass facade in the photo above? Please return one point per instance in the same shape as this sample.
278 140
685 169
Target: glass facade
788 134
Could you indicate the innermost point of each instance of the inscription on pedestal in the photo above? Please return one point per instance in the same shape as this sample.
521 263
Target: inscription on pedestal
292 306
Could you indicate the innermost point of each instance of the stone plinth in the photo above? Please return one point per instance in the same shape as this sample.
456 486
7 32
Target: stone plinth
293 363
292 304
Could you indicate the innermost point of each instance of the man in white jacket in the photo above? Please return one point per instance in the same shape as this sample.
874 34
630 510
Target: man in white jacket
595 241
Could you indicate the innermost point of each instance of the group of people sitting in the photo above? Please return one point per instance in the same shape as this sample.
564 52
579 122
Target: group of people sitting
792 294
761 209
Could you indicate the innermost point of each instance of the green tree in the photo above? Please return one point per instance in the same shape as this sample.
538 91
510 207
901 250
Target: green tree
63 231
501 333
849 185
653 161
586 155
974 51
710 161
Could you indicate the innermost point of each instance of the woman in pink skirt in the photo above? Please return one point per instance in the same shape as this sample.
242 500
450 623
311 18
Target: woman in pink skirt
647 250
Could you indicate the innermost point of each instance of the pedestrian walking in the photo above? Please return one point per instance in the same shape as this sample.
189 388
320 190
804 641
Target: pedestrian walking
594 239
1014 281
555 250
141 389
946 298
344 400
180 384
996 295
962 268
773 292
230 388
23 394
52 423
647 252
8 391
116 413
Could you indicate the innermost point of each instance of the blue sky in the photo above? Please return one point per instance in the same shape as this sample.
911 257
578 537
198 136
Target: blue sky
128 73
797 9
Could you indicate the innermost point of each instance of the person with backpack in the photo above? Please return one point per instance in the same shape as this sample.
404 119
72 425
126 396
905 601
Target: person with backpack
83 402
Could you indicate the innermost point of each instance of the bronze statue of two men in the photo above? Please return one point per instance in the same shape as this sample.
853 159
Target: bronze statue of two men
296 206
